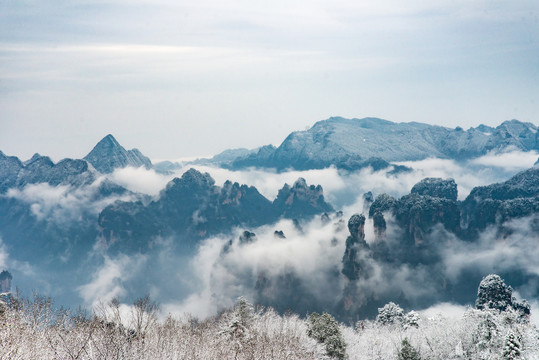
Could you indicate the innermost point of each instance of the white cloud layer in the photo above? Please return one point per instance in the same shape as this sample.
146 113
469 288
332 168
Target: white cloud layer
63 203
108 281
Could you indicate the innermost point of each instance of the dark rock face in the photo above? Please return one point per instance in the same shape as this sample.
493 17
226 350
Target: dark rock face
357 250
368 199
436 187
300 200
193 207
383 202
497 203
428 221
109 155
247 237
380 226
356 226
417 215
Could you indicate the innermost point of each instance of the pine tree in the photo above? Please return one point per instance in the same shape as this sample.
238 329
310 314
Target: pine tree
511 350
324 329
408 352
391 313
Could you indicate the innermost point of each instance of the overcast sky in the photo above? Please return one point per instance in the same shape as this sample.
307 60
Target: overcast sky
186 78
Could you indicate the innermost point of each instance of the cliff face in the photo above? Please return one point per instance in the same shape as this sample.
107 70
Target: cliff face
427 223
498 203
357 250
436 187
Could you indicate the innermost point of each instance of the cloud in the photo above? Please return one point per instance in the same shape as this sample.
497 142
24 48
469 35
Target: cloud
512 160
311 256
513 249
108 282
140 180
445 309
3 256
344 189
534 312
63 203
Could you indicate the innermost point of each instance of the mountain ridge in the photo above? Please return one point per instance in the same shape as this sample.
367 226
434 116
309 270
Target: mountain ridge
334 141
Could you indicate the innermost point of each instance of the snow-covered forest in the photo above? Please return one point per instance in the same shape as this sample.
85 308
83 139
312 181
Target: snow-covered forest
498 327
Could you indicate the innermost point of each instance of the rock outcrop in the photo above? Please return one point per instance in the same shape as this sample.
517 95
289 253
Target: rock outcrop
301 200
357 251
436 187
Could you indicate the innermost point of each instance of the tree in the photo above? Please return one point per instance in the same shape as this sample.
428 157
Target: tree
407 351
324 329
237 326
411 319
511 350
391 313
144 315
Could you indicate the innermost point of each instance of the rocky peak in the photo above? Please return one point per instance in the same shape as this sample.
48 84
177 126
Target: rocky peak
301 199
195 178
192 181
383 202
247 237
356 226
436 187
109 155
32 159
380 226
354 261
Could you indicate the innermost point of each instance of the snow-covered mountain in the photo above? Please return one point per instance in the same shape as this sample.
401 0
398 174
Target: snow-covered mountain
350 143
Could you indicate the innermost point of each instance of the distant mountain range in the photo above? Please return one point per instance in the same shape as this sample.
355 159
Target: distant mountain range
356 143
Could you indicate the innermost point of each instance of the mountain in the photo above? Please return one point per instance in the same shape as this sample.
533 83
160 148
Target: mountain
494 204
348 143
225 158
193 207
40 169
109 155
425 226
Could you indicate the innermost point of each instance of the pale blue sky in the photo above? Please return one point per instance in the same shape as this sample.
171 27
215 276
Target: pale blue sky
185 78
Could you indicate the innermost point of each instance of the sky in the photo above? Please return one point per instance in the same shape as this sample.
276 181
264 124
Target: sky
181 79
